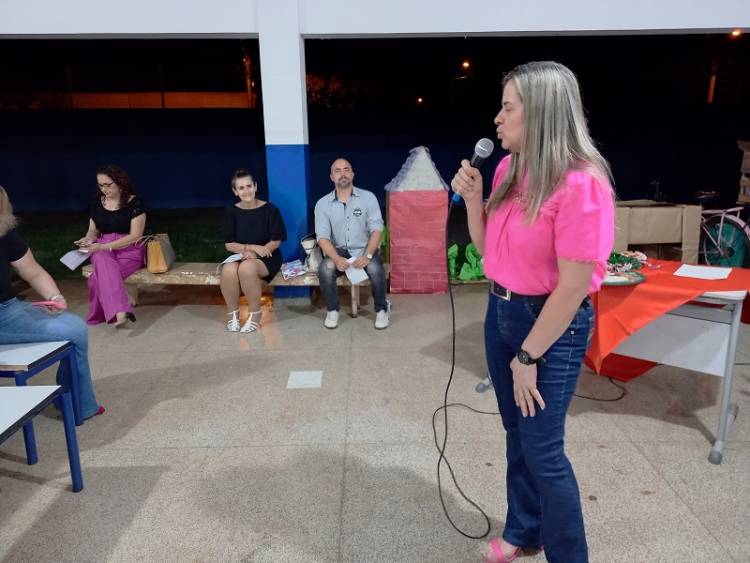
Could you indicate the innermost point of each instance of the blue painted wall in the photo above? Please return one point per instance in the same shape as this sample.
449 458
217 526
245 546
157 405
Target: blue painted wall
177 158
184 158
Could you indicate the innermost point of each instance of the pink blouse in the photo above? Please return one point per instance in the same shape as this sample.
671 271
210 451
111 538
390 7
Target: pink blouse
577 222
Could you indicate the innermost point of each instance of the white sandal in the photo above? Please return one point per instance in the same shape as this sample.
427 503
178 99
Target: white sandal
253 322
233 325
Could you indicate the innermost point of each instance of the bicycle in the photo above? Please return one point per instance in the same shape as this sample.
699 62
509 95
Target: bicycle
725 236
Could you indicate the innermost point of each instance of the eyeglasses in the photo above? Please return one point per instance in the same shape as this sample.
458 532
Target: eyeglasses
105 185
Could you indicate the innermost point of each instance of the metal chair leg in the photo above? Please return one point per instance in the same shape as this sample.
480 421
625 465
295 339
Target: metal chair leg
72 442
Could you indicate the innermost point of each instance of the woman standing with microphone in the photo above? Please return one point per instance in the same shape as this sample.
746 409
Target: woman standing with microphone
545 234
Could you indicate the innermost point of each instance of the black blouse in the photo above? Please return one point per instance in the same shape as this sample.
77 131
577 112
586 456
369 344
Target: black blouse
12 248
254 226
117 221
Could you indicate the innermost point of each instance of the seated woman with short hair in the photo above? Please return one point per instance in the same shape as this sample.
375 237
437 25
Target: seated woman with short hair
253 228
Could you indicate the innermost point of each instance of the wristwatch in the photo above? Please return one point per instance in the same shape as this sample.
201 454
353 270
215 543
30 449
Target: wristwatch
525 358
368 256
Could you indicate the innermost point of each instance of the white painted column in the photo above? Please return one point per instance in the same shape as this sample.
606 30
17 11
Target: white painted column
282 68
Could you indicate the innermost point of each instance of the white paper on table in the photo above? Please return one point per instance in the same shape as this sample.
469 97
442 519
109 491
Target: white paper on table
233 258
703 272
74 258
355 275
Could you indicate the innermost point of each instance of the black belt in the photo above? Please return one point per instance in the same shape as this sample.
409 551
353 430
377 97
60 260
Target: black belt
508 295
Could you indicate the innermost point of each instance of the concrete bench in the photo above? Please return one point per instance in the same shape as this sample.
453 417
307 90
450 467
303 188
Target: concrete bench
204 273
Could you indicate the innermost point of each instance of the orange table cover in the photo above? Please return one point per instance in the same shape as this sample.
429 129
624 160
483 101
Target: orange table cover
622 310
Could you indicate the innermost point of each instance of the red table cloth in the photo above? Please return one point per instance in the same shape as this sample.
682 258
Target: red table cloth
622 310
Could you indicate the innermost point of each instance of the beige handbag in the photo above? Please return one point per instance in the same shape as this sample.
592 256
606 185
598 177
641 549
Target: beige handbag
159 253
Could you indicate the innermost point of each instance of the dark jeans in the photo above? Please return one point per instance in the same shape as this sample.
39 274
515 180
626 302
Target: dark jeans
544 506
327 274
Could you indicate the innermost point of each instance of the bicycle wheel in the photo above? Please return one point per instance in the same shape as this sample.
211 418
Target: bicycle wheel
730 247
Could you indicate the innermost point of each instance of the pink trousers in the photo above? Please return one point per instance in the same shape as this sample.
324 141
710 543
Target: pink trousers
107 293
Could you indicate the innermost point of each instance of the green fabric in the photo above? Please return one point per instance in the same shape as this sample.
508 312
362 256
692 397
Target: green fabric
452 257
384 248
472 267
465 263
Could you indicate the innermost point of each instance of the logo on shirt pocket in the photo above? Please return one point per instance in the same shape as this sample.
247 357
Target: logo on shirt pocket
357 212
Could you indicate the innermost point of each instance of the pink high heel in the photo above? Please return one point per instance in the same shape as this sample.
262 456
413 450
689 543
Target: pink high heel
100 410
498 553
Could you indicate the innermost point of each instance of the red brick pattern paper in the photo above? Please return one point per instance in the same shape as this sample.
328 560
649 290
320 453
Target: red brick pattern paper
417 237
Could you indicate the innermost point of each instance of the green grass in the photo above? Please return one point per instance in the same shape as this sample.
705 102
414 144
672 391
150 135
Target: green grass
196 235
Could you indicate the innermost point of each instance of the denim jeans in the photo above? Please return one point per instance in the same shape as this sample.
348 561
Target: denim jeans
327 274
21 322
544 506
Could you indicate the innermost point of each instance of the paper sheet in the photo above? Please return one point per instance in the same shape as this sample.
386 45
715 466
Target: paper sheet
703 272
233 258
355 275
74 258
304 379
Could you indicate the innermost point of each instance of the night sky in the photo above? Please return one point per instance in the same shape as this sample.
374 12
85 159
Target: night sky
645 96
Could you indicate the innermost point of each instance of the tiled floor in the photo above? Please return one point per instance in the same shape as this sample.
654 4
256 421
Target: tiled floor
205 455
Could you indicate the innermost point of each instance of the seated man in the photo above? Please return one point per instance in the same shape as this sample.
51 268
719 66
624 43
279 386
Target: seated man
348 223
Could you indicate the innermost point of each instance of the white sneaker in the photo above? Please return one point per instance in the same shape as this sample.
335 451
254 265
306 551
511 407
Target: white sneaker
382 320
332 319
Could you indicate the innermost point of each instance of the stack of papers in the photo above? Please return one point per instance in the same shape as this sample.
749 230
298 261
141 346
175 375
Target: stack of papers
292 269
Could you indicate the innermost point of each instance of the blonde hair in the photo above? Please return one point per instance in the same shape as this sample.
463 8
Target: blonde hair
556 138
7 219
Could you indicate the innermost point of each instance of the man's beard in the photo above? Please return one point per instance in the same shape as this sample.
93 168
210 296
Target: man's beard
343 184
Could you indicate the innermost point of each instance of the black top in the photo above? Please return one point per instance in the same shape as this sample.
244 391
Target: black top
118 221
254 226
12 248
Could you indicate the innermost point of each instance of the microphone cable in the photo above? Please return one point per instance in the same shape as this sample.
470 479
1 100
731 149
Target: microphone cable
441 448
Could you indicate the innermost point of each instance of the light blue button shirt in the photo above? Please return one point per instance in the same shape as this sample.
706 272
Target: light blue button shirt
348 225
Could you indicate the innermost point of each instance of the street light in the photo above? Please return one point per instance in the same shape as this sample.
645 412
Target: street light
465 64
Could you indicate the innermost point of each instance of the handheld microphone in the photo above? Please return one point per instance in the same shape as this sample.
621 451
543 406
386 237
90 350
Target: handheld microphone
482 150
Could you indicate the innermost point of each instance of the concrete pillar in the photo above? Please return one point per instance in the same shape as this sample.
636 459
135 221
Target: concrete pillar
282 68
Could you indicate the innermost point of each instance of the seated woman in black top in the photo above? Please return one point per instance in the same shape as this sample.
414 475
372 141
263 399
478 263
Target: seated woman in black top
117 220
254 229
21 322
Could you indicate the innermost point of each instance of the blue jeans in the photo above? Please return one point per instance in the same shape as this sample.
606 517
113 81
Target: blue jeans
327 274
21 322
544 505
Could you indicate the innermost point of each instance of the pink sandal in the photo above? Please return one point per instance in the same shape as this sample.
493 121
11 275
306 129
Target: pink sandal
499 557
